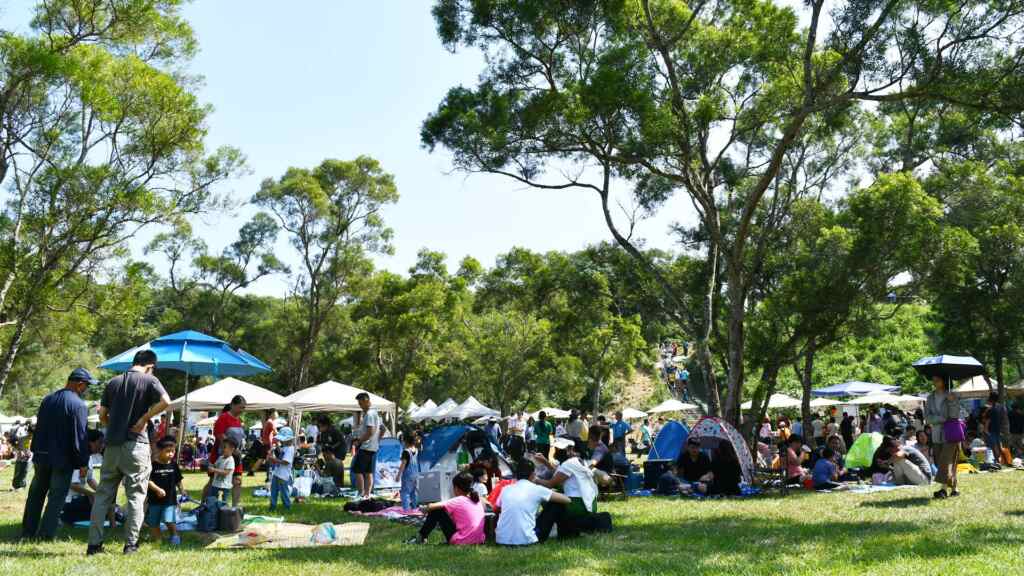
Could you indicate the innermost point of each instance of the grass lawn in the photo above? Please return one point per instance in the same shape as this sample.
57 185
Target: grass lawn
894 533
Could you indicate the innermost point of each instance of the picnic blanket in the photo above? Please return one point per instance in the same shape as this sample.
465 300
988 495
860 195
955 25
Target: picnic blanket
872 488
392 513
292 535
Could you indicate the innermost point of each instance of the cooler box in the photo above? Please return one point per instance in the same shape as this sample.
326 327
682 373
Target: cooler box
653 469
434 486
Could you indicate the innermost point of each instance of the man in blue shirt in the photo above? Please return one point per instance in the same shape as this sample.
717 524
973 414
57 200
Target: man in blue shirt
59 447
620 429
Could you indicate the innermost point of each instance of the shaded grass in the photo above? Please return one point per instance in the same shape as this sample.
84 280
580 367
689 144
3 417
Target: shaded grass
900 532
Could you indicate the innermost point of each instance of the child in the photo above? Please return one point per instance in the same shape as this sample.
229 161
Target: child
164 487
281 458
461 519
224 468
407 471
478 482
825 473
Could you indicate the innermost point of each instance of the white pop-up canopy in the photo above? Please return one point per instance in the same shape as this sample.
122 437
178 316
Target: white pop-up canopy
427 407
438 412
216 395
331 396
776 401
672 405
553 413
471 408
633 414
887 398
824 403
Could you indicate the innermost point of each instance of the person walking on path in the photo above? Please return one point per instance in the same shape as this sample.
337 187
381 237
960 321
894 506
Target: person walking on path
59 447
367 442
940 406
129 402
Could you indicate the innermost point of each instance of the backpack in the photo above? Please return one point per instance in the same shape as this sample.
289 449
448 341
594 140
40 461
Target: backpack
207 514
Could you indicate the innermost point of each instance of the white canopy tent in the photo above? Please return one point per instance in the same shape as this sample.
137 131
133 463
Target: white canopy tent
426 408
776 401
887 398
552 413
216 395
633 414
976 387
438 412
412 408
331 396
471 408
672 405
824 403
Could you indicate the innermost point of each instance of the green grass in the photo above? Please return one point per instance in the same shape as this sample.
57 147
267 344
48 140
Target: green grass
895 533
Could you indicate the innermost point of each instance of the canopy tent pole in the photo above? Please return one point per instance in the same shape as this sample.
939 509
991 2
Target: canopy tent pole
184 414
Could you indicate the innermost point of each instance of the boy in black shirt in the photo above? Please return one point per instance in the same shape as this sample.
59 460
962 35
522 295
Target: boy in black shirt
164 486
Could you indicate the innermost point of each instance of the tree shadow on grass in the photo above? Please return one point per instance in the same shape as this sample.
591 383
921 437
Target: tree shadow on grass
898 503
1014 512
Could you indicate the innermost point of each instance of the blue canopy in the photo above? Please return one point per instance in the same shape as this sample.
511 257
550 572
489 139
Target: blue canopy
669 442
194 353
853 388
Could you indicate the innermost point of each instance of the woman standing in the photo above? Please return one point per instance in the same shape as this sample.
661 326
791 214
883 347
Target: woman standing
940 407
229 424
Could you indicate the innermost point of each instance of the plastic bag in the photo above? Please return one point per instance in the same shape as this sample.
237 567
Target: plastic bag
303 486
324 534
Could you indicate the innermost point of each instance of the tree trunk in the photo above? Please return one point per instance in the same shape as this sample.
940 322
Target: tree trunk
1000 376
12 354
597 396
704 342
806 380
737 314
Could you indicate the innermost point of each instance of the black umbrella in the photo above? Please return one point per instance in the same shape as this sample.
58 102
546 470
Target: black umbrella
952 367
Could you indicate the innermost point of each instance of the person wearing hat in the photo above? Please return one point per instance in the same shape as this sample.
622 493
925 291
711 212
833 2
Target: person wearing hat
282 458
60 447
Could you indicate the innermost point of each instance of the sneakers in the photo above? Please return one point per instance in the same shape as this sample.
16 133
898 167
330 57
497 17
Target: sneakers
939 495
415 540
94 549
131 548
954 493
174 540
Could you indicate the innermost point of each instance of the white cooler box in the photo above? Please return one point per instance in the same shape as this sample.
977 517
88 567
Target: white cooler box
434 486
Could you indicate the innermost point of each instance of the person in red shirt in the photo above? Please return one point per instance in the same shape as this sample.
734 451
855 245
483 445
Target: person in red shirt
229 424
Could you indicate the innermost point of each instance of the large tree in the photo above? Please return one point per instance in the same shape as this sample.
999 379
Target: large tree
332 215
706 98
100 135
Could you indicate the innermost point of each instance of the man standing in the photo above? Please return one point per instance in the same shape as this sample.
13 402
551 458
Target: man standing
998 426
129 402
846 429
620 429
542 433
367 442
59 448
1016 421
516 436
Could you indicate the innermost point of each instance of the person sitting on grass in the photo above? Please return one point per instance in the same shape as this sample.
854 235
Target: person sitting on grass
795 473
600 456
461 518
726 471
825 473
518 524
694 466
78 503
164 486
223 469
282 459
575 479
479 475
669 483
333 467
908 466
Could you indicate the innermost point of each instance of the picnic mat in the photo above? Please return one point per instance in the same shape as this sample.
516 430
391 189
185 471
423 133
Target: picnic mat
871 488
291 535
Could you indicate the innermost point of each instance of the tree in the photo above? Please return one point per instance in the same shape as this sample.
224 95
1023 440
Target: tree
99 137
979 298
331 214
702 97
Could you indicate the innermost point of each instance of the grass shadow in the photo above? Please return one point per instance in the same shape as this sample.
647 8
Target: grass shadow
898 503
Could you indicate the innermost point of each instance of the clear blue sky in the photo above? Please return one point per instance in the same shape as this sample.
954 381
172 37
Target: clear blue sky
293 83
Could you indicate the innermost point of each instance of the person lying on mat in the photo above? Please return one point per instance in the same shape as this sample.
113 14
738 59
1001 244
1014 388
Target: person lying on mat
907 464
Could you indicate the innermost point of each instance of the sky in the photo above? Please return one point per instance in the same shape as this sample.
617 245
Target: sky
294 83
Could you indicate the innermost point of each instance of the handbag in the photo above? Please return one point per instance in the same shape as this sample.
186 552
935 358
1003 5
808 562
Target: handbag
954 430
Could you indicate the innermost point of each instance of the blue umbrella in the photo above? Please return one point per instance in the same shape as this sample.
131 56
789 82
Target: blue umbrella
853 388
193 353
947 366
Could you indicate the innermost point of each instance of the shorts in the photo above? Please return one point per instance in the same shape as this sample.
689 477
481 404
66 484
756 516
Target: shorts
161 514
363 462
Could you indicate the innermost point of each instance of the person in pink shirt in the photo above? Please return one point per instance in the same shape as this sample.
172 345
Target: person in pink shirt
794 452
461 519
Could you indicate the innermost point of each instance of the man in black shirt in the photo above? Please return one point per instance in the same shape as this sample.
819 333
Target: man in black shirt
129 402
1016 418
693 464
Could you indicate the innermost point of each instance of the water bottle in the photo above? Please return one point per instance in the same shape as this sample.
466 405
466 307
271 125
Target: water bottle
462 458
